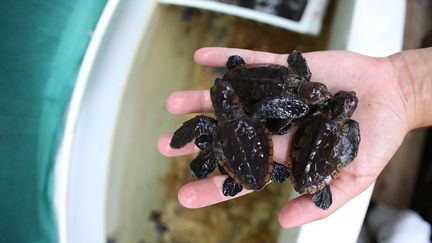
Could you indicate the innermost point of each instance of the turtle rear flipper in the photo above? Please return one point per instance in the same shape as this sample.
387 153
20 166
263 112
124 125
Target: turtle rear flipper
204 164
231 188
323 198
191 129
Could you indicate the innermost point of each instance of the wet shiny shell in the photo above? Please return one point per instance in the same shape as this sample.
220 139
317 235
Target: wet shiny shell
256 82
245 150
315 157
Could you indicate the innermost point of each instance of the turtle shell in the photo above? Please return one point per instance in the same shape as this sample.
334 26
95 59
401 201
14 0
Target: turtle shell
324 144
243 147
315 154
256 82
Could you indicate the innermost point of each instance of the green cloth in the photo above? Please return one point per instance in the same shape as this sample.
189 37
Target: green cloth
42 44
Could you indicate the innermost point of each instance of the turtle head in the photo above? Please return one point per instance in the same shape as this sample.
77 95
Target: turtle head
314 93
343 104
226 103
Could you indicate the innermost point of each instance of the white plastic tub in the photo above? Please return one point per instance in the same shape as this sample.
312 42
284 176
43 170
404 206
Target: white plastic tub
309 23
108 168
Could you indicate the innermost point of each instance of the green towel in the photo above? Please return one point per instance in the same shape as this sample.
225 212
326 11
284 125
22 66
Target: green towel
42 44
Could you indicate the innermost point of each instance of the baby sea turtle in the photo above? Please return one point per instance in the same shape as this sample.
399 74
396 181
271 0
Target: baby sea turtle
241 145
322 146
260 85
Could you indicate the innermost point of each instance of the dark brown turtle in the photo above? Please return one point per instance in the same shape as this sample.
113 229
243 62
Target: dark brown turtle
241 145
322 146
260 85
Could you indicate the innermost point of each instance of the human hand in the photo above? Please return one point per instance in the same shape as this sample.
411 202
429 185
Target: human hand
381 113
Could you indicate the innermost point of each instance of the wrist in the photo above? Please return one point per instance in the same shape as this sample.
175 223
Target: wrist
413 73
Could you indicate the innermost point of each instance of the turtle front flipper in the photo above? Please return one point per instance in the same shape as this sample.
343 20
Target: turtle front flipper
230 187
279 108
191 129
280 173
235 61
350 141
323 198
298 66
204 164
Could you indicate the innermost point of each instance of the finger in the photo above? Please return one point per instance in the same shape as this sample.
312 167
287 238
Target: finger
333 68
166 150
205 192
280 145
218 56
302 209
194 101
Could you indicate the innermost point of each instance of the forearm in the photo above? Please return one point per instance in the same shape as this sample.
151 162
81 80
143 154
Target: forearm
413 69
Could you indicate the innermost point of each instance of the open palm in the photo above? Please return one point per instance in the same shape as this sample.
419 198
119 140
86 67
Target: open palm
380 113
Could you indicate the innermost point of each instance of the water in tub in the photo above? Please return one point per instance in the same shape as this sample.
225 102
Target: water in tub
142 205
